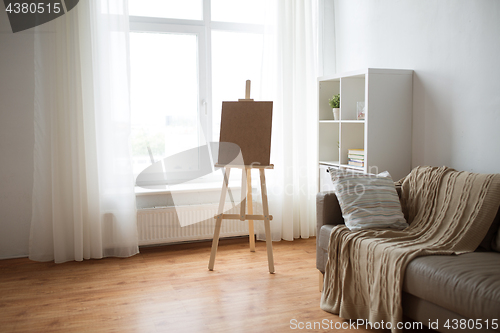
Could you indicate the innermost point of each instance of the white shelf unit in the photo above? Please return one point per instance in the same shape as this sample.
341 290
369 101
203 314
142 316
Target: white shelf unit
384 134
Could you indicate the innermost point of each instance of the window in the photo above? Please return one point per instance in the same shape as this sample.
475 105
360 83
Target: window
165 91
186 58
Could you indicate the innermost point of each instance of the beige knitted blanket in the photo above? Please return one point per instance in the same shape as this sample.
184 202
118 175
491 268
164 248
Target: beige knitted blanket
449 212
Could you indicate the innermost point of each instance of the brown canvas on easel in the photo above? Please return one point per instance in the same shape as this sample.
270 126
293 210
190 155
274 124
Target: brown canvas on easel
247 124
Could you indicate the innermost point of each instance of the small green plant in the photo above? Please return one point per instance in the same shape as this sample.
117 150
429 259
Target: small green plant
335 101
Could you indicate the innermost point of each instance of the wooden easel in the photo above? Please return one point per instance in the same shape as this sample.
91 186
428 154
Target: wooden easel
246 193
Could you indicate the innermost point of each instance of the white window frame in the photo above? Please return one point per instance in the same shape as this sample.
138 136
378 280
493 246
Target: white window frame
203 30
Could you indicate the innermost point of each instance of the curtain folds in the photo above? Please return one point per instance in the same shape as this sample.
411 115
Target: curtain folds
83 193
292 185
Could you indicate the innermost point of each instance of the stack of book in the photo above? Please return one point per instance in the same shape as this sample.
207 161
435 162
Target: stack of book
356 157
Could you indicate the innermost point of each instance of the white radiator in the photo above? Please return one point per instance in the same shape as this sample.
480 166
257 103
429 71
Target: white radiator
161 225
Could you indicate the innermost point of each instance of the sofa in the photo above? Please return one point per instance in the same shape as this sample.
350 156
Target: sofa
456 293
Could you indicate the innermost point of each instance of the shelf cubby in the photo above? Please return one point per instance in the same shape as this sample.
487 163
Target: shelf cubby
326 92
352 91
329 133
352 137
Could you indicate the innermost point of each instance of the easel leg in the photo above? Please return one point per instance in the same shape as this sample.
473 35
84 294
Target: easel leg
228 190
243 195
218 222
267 223
251 232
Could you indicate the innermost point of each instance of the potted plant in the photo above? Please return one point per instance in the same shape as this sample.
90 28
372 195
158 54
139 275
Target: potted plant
335 105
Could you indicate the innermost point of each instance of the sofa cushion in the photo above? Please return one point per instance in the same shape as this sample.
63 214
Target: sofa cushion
467 284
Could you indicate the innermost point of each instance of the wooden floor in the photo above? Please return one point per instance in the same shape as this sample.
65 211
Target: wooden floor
167 289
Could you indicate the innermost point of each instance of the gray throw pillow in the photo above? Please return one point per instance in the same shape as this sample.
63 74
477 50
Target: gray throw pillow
368 201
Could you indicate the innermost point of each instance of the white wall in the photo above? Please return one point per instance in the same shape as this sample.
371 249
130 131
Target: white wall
454 49
16 138
326 33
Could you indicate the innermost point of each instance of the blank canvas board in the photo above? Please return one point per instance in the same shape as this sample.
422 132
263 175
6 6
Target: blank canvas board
247 124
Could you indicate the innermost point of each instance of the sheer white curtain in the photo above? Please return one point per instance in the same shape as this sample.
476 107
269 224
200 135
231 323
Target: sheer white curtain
291 50
83 194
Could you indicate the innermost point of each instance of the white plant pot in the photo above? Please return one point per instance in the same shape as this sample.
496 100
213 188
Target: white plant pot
336 113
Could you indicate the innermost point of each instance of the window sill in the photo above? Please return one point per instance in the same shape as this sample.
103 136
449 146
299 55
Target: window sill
186 188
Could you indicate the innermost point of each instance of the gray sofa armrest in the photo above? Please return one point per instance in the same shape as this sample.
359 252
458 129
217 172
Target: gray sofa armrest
327 210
